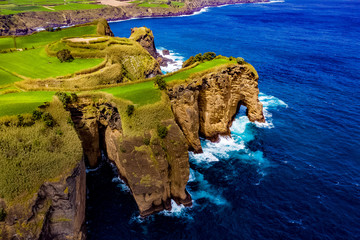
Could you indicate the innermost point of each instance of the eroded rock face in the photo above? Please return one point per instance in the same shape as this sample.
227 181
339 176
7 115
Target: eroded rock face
57 212
156 169
145 37
207 106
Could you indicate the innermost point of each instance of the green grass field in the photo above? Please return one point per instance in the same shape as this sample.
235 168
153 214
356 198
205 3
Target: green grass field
155 4
15 6
145 93
7 78
43 38
22 102
36 64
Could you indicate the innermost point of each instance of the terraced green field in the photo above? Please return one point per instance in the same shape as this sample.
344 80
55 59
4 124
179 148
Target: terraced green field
36 64
7 78
22 102
43 38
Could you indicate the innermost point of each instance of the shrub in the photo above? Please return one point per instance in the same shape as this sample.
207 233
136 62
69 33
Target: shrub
189 62
36 115
160 82
64 55
2 214
130 110
48 119
240 60
70 121
64 98
209 56
232 58
162 131
198 57
20 120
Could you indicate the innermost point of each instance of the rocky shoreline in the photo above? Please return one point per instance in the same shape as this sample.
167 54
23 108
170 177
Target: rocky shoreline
29 22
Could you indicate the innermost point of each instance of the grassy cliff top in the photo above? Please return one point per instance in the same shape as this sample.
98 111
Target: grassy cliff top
30 155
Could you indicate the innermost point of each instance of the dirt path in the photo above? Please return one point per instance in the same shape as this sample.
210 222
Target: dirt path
87 40
114 3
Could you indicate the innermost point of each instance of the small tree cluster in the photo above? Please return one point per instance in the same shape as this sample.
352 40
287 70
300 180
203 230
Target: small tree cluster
130 110
208 56
64 55
160 83
36 115
162 131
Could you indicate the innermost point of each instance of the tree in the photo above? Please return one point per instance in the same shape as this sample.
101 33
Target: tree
64 55
209 56
160 82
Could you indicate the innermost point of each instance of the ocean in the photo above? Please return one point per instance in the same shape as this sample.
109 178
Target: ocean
297 176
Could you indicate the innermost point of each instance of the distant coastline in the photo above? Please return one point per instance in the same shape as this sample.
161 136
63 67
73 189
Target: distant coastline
29 22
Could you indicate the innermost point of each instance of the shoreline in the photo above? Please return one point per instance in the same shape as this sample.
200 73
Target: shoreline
29 22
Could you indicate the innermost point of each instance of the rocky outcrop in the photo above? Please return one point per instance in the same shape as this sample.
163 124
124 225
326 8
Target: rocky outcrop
103 28
145 37
58 211
207 106
156 169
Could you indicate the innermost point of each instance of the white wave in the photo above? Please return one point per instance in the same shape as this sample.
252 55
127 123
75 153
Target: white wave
215 150
121 184
269 101
177 60
179 211
277 1
205 190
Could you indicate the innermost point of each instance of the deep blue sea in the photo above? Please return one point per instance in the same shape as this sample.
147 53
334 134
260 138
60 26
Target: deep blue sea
295 177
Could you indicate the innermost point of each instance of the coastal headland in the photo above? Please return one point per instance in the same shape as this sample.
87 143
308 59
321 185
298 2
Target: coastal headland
72 98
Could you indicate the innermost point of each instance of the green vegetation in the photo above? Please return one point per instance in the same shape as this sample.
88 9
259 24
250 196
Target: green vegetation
130 110
36 64
7 78
22 102
18 6
160 83
162 131
144 93
240 60
158 3
31 155
40 39
64 56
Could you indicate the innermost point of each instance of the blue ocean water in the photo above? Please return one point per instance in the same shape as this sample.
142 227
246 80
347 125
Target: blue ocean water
295 177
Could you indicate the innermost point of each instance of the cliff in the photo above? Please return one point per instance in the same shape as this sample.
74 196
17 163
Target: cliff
156 169
28 22
42 179
207 106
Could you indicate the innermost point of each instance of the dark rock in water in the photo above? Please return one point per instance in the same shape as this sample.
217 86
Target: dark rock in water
165 61
165 52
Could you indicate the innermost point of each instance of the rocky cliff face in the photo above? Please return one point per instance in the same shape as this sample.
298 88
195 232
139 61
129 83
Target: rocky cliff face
156 169
207 106
145 37
58 211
